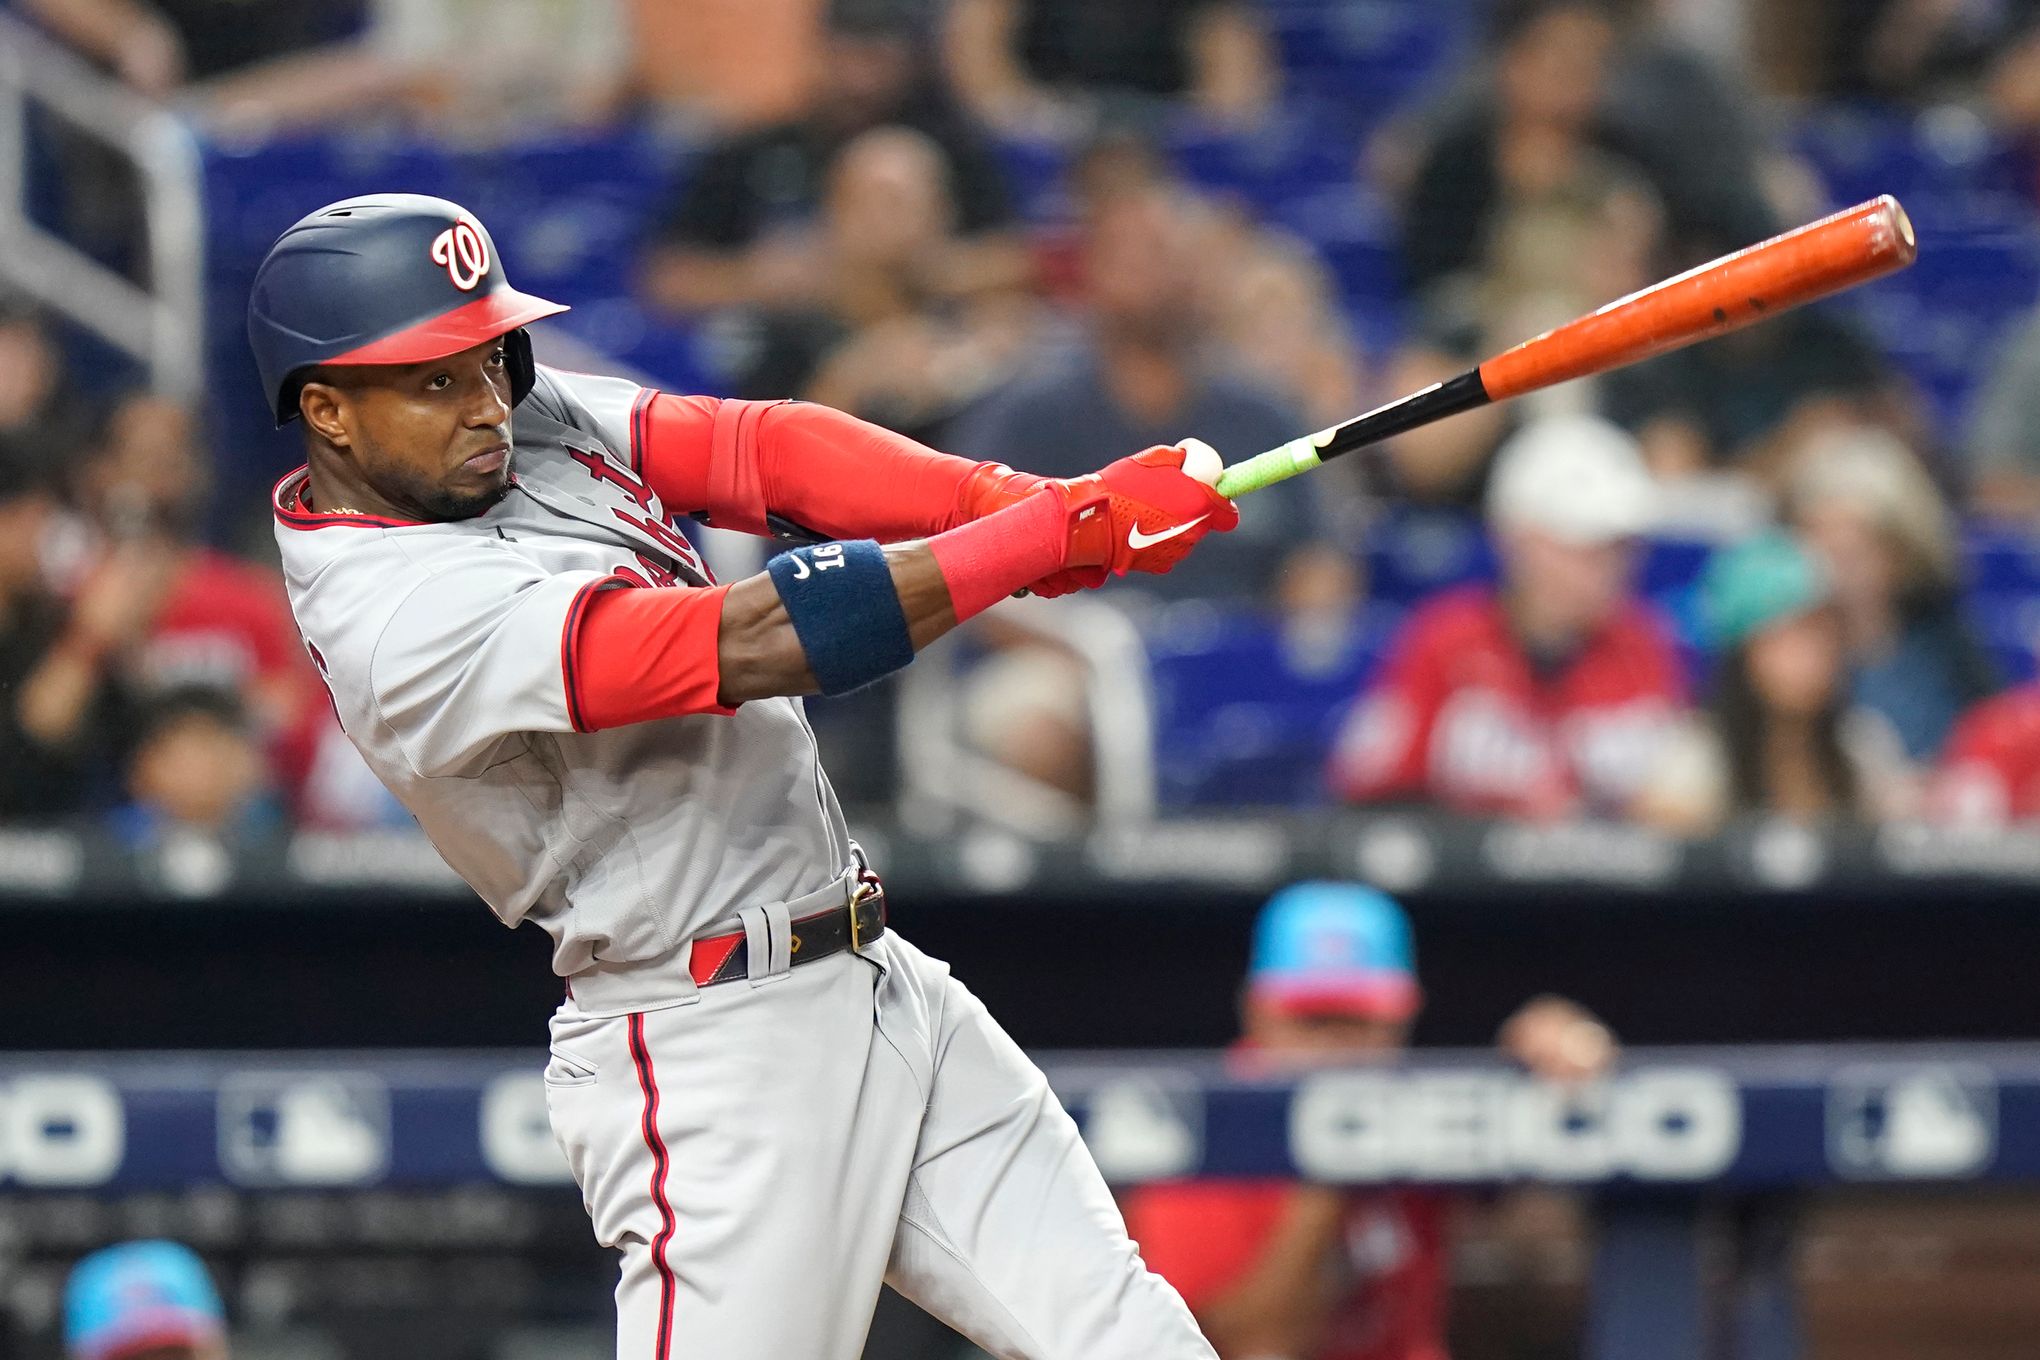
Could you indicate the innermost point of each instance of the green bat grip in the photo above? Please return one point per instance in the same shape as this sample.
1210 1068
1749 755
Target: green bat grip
1435 402
1276 465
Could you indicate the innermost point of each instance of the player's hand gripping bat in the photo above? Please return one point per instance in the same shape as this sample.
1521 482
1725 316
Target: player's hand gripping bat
1866 242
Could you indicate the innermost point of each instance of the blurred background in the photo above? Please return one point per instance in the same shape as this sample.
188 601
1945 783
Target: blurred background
1688 713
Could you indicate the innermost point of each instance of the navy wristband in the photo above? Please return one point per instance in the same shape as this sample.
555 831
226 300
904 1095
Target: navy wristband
845 611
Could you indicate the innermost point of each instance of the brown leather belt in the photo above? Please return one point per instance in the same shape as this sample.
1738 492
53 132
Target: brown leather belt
726 958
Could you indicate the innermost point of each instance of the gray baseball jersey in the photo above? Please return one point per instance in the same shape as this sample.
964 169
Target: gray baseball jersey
445 647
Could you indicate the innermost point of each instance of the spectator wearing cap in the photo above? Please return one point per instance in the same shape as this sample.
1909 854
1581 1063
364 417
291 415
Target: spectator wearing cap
1312 1272
1551 693
60 700
1780 737
143 1301
742 232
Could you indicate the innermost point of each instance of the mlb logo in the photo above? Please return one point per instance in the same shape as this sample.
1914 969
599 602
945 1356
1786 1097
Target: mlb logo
291 1129
1935 1122
1142 1128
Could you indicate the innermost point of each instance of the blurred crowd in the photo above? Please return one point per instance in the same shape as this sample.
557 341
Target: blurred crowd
847 233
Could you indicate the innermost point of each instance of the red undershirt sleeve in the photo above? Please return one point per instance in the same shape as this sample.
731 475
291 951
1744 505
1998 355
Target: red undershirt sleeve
739 461
637 654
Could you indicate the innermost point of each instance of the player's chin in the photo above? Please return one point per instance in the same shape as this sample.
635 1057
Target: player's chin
469 495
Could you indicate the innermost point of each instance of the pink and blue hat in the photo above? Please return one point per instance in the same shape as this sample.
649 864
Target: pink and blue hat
1334 949
140 1296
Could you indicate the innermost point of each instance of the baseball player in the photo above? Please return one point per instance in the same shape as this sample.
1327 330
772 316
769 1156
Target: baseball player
770 1101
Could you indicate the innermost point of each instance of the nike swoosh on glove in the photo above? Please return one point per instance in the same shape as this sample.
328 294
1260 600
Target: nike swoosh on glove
1145 513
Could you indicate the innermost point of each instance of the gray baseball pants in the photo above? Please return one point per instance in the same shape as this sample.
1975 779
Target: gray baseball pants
764 1156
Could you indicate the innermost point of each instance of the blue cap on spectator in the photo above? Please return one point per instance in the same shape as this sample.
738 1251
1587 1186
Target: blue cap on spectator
139 1296
1747 588
1334 948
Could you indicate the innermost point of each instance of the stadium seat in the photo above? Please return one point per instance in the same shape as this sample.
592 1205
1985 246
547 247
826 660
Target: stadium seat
1239 716
1414 553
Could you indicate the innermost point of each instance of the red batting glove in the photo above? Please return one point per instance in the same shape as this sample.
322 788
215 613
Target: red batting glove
1147 495
1142 513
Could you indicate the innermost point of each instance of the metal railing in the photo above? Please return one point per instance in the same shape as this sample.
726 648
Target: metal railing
944 777
161 325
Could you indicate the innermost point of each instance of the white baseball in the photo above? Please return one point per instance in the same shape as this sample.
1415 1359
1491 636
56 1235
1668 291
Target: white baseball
1201 461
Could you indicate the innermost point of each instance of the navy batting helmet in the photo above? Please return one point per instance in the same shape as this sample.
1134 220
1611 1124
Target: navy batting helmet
383 279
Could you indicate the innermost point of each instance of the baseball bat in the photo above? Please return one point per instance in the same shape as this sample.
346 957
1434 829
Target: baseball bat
1811 262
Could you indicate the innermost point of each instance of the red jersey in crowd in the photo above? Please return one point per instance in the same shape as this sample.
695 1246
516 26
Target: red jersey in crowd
1990 771
225 624
1463 717
1204 1236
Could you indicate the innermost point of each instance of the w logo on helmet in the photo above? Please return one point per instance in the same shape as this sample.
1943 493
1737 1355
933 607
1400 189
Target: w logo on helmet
464 251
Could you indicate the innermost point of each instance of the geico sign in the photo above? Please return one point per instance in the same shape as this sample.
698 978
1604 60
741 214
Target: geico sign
1663 1124
60 1131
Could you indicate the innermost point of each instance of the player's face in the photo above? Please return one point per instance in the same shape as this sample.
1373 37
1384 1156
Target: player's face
433 439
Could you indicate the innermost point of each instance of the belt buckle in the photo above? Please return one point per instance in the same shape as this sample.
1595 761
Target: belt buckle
866 889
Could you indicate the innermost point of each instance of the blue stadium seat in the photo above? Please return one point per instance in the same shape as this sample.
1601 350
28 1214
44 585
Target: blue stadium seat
2009 627
1969 193
1034 171
1414 553
1239 716
1362 59
2002 560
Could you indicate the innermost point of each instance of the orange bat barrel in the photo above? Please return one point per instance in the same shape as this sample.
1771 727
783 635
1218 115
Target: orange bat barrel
1821 258
1863 243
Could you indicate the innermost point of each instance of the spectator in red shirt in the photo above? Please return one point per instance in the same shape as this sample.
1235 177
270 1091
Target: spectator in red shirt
1550 695
1276 1270
1990 773
219 622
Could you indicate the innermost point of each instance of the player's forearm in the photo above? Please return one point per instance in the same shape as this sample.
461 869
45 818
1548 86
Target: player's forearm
761 651
835 616
847 478
813 623
830 473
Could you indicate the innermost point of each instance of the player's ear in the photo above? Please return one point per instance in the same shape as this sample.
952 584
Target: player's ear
322 407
